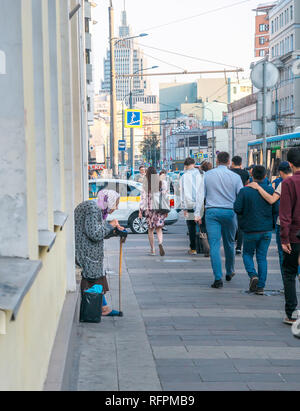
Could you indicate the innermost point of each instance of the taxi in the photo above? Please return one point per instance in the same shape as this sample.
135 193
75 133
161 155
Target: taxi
130 196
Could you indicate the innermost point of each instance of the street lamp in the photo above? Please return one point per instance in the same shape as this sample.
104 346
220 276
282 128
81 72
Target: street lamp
129 38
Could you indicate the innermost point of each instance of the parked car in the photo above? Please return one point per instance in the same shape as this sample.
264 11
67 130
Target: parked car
130 196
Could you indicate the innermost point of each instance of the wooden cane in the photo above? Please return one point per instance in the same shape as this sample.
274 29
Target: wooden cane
120 275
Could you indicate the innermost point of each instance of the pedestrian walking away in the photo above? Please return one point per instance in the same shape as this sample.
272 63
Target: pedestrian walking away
91 228
192 199
285 172
221 189
154 194
289 214
236 167
256 222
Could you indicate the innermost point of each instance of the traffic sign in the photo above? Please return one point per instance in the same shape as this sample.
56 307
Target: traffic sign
133 118
122 145
271 75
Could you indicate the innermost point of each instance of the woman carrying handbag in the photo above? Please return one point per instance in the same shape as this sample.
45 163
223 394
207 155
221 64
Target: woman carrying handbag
154 206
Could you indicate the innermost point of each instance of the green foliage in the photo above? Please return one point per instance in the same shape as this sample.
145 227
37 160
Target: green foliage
150 148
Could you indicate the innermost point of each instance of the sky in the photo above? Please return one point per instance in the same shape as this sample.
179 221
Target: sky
218 31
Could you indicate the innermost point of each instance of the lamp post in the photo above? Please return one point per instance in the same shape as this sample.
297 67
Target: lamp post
132 148
114 157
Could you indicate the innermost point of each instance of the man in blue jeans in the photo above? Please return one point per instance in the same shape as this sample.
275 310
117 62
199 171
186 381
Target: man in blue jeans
256 220
221 188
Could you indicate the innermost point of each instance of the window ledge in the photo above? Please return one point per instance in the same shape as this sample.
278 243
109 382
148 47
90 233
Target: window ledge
60 219
16 278
46 239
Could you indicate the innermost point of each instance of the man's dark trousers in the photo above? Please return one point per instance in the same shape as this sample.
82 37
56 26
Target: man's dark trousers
191 225
290 272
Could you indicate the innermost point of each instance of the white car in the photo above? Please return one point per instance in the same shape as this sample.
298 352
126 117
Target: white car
130 196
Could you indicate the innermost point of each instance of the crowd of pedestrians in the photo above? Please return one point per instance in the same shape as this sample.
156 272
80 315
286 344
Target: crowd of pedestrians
241 207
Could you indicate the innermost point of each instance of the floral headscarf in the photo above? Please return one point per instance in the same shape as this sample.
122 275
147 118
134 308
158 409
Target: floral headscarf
107 200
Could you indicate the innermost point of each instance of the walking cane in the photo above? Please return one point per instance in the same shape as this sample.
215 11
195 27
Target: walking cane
123 237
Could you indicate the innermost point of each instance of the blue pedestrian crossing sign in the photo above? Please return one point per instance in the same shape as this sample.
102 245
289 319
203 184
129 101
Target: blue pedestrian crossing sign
133 118
122 145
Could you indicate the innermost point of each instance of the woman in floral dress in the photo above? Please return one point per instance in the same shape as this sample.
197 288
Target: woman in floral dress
152 186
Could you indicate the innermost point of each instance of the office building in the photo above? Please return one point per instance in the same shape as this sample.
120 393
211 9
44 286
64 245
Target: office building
129 59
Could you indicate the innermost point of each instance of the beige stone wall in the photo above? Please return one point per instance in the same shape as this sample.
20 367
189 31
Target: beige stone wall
54 130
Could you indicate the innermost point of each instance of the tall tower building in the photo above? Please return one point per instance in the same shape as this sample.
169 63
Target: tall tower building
129 59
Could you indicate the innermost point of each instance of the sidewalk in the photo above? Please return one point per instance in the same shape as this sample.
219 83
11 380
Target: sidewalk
178 333
115 355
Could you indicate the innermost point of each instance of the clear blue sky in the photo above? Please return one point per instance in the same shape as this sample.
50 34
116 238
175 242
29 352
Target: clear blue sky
225 36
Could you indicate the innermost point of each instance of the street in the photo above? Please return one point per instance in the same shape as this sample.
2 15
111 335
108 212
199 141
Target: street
178 333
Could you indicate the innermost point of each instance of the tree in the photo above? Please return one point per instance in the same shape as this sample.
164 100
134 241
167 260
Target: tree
150 148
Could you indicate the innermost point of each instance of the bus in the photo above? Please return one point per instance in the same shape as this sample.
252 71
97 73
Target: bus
277 148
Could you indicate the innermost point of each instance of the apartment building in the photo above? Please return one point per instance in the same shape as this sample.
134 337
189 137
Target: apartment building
284 53
262 29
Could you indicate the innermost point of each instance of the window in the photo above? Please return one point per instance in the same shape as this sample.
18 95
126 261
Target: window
262 40
87 25
263 27
261 53
132 191
291 12
292 43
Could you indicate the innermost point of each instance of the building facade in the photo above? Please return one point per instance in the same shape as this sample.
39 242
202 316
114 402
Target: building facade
43 134
241 113
262 29
88 21
285 53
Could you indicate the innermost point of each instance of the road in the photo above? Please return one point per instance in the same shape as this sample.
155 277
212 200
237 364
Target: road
179 334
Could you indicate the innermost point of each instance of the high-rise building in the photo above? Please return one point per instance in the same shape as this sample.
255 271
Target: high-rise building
129 59
262 29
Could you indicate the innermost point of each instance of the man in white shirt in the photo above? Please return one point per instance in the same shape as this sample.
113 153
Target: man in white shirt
192 199
221 189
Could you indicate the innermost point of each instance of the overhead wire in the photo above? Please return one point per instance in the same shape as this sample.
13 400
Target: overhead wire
163 61
196 15
187 56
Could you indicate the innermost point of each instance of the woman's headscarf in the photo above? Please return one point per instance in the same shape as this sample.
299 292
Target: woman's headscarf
107 200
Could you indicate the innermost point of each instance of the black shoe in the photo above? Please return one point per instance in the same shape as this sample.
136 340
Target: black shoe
229 276
217 284
238 251
253 284
259 291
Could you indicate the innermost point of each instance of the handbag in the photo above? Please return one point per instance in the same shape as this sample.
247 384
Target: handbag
202 245
160 203
91 305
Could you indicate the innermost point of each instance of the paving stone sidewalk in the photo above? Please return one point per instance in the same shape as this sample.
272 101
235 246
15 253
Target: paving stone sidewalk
178 333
